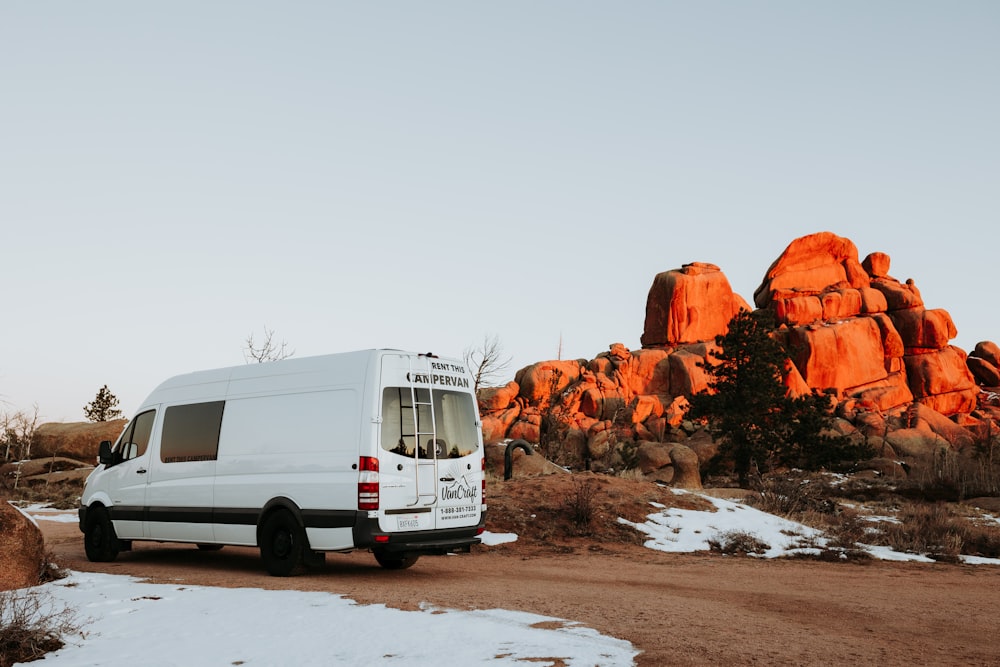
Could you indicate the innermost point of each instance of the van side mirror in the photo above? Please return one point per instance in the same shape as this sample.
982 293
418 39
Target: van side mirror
104 453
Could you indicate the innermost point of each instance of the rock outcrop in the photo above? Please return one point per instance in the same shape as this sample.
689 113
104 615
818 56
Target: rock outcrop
851 329
676 312
75 440
984 362
854 329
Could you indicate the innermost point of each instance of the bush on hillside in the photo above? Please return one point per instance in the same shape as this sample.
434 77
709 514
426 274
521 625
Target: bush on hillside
31 625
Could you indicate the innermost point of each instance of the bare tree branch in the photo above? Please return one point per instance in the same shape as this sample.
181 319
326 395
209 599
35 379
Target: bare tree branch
268 350
486 362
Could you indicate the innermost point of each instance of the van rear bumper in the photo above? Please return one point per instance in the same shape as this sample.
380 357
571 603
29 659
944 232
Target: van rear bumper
367 535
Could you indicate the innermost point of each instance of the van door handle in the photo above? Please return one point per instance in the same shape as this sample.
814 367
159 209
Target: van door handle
140 471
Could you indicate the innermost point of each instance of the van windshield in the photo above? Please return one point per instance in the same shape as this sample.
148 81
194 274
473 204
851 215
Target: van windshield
406 421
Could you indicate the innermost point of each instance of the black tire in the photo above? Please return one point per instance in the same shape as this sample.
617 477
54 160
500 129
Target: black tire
282 544
209 547
395 561
99 539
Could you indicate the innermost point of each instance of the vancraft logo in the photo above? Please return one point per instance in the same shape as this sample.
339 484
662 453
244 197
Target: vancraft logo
457 486
459 489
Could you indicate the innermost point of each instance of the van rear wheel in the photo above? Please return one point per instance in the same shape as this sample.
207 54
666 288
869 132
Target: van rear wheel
99 540
282 544
395 561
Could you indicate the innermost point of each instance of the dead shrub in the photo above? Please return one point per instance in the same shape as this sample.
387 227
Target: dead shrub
581 504
63 495
792 494
931 529
738 543
31 625
849 531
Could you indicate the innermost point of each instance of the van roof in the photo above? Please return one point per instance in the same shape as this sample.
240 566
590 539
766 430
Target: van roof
302 372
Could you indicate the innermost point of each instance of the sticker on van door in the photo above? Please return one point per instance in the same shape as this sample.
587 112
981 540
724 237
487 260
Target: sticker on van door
459 495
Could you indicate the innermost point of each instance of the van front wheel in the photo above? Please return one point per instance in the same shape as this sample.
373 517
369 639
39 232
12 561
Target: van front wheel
282 544
395 561
100 541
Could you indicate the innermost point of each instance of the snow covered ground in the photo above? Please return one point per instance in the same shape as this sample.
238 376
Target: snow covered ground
128 622
679 530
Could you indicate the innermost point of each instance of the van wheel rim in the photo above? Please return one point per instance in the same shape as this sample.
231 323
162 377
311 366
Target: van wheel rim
282 544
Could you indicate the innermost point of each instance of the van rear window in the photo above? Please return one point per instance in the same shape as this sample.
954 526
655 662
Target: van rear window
191 432
412 427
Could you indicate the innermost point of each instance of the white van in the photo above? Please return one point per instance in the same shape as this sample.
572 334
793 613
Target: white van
379 450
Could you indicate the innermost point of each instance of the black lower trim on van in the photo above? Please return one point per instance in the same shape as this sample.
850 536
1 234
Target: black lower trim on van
365 529
433 542
233 516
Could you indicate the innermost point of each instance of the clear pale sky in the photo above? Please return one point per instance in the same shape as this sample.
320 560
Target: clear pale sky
176 176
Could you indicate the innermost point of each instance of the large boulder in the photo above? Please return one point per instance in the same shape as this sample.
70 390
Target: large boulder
75 440
669 462
920 444
898 296
941 380
984 363
986 374
987 351
839 356
812 265
689 305
539 383
922 329
648 372
687 369
496 424
497 398
922 417
22 549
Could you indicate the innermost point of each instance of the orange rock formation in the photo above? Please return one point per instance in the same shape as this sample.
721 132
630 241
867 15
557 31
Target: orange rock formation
852 330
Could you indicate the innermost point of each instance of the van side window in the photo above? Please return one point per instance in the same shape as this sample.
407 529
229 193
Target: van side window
135 440
135 437
191 432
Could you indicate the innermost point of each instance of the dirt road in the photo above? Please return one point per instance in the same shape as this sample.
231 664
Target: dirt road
677 609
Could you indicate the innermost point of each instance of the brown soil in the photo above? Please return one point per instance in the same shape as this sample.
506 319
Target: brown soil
688 609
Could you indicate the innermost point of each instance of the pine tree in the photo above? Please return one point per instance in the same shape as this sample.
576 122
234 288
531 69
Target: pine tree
751 416
104 407
746 397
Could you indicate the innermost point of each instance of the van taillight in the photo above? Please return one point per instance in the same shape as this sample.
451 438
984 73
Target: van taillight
368 483
483 465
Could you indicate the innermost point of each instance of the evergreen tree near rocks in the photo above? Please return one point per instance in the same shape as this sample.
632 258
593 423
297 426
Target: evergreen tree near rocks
104 407
749 413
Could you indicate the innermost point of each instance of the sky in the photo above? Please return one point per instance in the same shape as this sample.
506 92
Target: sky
120 609
176 177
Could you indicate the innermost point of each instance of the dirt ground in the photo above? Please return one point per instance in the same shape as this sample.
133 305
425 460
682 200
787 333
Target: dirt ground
677 609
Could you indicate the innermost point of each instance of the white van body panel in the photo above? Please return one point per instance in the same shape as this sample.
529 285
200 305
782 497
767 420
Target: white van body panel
291 434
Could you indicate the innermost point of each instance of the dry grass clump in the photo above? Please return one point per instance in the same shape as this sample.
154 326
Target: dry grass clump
738 543
792 494
938 530
63 495
31 625
913 521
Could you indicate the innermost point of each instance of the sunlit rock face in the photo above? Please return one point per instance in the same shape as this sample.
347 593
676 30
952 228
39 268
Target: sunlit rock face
855 329
850 329
689 305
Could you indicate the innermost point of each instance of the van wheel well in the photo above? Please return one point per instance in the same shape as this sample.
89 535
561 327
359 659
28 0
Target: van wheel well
278 505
